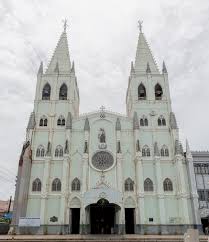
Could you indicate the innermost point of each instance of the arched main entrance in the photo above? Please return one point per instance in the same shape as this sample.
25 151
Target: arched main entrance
103 217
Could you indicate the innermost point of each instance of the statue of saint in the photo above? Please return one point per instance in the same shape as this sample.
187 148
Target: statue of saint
101 136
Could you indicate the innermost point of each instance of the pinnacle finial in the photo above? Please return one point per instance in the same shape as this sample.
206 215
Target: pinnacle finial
73 67
148 70
140 25
65 25
132 68
164 70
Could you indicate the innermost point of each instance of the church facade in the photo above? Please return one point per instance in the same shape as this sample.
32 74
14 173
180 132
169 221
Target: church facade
104 172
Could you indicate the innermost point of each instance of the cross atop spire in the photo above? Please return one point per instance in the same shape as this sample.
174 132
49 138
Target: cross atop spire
65 25
140 25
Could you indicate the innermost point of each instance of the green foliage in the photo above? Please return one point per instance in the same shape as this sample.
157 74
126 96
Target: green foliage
5 220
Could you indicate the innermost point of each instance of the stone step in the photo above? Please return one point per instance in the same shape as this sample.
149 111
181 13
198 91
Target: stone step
96 238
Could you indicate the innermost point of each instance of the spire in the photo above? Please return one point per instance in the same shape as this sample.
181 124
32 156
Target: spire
156 150
144 55
69 121
164 70
118 125
188 151
135 121
61 56
73 68
132 69
173 122
32 121
40 70
148 68
86 125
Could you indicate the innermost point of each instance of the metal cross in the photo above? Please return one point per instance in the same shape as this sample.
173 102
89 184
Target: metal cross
65 25
102 108
140 25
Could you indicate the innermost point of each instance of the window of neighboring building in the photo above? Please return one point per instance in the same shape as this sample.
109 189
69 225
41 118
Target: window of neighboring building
201 195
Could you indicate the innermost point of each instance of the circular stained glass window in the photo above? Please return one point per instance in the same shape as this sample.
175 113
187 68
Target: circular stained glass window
102 160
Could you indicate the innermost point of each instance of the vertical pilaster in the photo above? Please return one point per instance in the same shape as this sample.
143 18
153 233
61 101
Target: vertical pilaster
45 190
160 192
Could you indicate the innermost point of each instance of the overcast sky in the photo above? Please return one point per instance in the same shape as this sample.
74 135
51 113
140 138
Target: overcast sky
102 39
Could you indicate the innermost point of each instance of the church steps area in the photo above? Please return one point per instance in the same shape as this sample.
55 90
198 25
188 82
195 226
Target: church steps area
99 238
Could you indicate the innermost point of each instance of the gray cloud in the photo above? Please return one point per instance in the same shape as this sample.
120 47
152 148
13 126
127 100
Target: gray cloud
102 40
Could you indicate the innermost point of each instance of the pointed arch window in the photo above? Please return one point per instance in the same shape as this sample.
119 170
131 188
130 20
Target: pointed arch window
146 151
59 151
36 185
129 184
40 152
56 185
158 92
61 121
76 185
141 92
144 121
161 121
43 121
148 185
63 92
164 151
167 185
46 92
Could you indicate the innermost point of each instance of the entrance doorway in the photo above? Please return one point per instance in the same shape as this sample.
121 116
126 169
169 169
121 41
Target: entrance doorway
75 220
129 220
102 217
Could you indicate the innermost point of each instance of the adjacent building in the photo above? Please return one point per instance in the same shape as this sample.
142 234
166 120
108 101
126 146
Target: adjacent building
104 172
201 169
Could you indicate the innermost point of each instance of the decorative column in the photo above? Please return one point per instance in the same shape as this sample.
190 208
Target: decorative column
140 217
184 196
84 184
159 183
65 190
44 190
119 156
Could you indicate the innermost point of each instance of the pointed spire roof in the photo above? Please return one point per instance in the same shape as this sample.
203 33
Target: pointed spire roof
188 151
32 121
156 150
164 70
86 125
61 57
135 121
69 121
173 122
118 125
144 56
